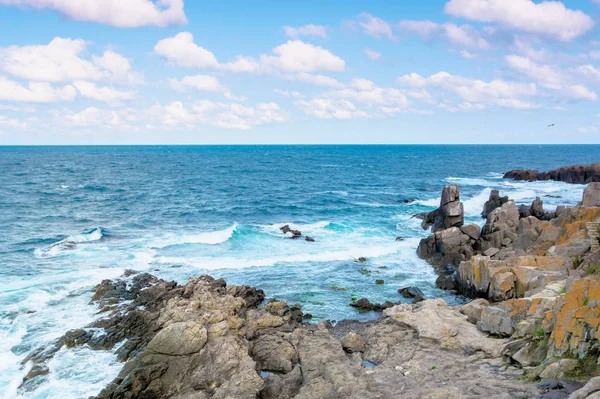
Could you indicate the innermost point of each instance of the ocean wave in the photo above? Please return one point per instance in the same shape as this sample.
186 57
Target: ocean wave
70 243
312 228
433 202
208 237
474 205
468 181
325 256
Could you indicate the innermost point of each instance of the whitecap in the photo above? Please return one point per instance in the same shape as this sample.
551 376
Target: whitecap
474 205
70 243
207 237
467 181
433 202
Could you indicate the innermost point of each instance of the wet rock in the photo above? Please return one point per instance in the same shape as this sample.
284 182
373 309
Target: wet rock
379 282
399 238
365 305
309 239
413 293
362 259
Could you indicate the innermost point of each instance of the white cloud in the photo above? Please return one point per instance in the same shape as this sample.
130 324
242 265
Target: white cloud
13 108
105 94
589 71
467 55
317 80
12 123
198 82
62 60
297 56
119 13
588 129
462 36
325 108
182 50
288 94
92 116
58 61
548 75
374 55
35 92
476 93
579 92
375 27
119 68
548 18
223 115
307 30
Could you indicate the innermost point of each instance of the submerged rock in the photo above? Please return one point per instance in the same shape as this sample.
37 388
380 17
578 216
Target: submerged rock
413 293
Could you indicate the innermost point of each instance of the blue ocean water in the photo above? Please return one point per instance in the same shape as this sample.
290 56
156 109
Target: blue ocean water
72 216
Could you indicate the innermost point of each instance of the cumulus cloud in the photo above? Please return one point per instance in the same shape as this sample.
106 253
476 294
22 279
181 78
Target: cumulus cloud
307 30
62 60
104 94
93 116
326 108
476 93
12 123
553 77
462 36
547 18
589 71
35 92
288 93
316 80
181 50
374 26
293 56
198 82
218 114
372 54
119 13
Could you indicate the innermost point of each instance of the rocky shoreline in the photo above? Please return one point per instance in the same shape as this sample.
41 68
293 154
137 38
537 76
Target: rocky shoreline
577 174
532 332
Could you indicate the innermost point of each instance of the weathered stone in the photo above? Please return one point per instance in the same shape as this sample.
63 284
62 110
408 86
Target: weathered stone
179 339
472 230
474 309
591 195
559 369
413 293
353 342
577 174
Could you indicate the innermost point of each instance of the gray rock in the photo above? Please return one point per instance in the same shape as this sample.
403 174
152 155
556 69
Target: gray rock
179 339
413 293
352 342
491 252
591 195
472 230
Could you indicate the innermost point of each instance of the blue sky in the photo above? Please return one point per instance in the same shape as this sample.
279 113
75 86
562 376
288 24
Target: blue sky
177 71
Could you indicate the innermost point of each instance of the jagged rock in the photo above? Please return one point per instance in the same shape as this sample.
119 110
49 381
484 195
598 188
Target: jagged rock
491 252
537 208
451 210
309 239
495 201
591 195
284 386
413 293
273 352
559 369
577 174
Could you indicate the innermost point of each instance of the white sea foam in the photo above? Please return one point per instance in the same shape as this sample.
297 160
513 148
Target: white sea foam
433 202
207 237
311 228
474 205
210 263
70 243
467 181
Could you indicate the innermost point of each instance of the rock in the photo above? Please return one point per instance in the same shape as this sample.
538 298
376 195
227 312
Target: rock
413 293
577 174
272 352
399 238
365 305
451 211
309 239
559 369
379 282
352 342
474 309
591 195
362 259
589 391
178 339
495 201
428 218
285 229
472 230
537 208
284 386
491 252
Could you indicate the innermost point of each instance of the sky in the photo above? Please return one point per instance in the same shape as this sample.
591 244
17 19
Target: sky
299 72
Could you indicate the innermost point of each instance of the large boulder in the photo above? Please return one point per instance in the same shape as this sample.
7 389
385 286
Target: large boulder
451 210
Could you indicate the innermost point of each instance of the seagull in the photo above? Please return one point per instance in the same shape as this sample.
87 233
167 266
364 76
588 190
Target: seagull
552 124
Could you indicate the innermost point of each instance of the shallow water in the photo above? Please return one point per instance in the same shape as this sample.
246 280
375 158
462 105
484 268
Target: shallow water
72 216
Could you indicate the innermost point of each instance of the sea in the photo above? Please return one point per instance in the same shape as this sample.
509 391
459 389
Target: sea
73 216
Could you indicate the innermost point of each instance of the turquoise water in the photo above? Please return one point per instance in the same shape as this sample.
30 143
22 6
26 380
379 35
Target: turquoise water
177 211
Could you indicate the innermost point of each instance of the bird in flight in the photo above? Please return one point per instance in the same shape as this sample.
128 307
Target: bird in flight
550 125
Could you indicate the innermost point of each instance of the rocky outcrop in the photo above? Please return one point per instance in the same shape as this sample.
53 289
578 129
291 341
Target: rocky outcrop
591 195
577 174
495 201
449 214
